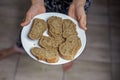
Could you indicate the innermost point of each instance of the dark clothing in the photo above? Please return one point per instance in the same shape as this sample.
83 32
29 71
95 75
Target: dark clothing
60 6
87 5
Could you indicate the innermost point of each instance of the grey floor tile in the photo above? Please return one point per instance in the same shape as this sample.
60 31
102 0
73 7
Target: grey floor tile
115 2
115 45
98 13
98 19
115 37
97 47
97 10
115 42
8 68
116 71
8 25
29 69
101 2
84 70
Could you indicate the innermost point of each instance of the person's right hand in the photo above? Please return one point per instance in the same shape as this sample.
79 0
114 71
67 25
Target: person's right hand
34 10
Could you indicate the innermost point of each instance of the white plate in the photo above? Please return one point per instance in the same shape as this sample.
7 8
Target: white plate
28 43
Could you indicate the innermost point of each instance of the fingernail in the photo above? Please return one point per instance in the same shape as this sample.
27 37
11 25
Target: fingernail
85 28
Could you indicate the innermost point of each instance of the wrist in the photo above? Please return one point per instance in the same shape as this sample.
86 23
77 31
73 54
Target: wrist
79 3
37 2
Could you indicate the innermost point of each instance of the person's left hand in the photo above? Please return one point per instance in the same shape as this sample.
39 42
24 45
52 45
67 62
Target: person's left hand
77 12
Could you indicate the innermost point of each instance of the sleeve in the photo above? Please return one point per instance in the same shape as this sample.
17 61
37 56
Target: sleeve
87 5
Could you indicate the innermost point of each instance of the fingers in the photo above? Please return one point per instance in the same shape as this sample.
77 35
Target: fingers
78 14
82 22
81 17
27 20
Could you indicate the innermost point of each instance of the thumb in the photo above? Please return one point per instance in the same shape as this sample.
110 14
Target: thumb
27 20
82 22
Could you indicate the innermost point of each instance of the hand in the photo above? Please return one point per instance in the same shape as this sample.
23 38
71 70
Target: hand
77 12
33 11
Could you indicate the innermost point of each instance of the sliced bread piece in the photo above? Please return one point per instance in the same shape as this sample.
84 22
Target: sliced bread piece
37 29
70 47
52 55
55 26
48 55
69 28
50 42
39 53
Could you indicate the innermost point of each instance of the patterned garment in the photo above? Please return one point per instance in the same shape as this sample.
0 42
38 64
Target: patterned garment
60 6
87 5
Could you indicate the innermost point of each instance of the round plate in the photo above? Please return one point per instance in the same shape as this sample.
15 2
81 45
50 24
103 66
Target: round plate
28 43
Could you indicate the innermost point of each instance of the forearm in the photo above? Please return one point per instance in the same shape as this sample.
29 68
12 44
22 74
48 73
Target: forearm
79 3
37 2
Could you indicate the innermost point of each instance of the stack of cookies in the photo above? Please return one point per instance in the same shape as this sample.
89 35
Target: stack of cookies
61 42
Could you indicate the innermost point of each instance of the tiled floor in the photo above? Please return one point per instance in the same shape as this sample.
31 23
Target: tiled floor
115 37
99 61
28 69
